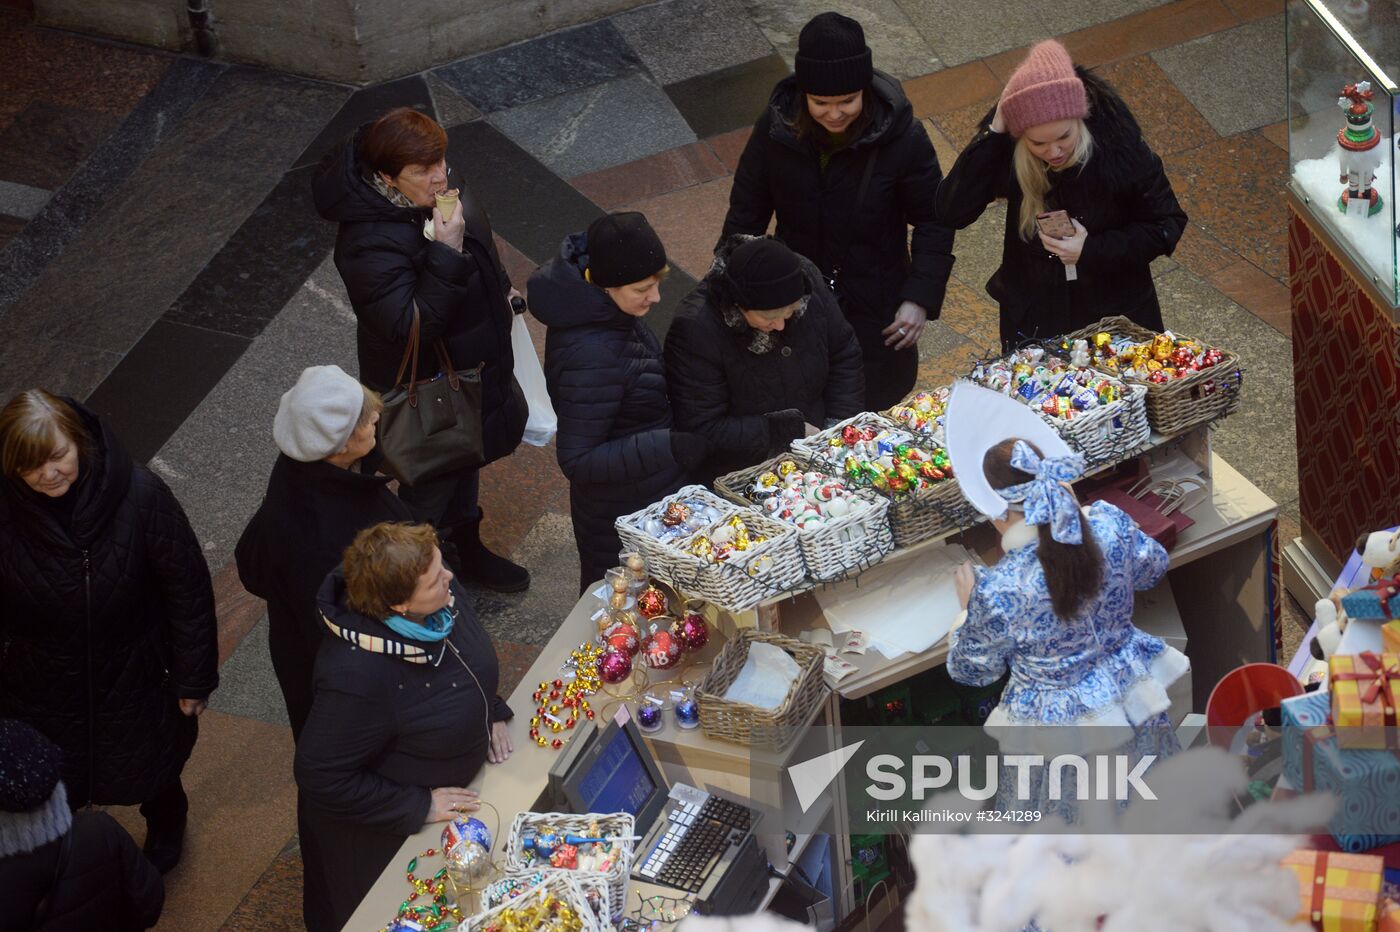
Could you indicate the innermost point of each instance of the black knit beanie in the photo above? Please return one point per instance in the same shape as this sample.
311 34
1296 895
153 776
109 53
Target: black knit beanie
766 275
33 805
832 57
622 249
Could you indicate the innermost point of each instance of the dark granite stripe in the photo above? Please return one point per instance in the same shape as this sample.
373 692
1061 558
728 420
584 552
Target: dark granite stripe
530 206
262 265
545 67
727 99
161 381
47 142
78 201
365 105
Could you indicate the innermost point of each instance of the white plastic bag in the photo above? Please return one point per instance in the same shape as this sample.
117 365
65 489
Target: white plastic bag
543 423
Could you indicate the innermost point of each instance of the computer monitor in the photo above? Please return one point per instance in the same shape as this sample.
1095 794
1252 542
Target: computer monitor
611 770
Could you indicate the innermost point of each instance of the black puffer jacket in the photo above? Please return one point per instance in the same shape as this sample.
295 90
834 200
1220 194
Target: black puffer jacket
1121 196
816 210
106 625
310 514
387 264
384 729
722 389
608 384
105 882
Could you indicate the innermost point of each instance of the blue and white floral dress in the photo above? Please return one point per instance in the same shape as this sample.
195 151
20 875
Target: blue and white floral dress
1096 671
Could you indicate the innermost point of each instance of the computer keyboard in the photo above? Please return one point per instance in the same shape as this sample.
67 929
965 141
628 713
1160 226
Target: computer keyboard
696 834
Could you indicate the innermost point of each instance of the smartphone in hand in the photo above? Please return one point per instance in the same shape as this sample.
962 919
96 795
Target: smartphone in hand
1055 224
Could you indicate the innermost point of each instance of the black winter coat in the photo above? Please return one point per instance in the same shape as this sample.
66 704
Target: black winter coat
387 264
722 389
607 382
1121 196
310 514
817 213
105 882
107 625
383 730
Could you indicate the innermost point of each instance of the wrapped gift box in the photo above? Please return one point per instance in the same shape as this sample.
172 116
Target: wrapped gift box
1367 782
1390 916
1378 601
1390 637
1337 892
1363 690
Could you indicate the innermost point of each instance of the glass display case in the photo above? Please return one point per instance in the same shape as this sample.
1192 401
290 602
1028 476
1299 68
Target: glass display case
1343 57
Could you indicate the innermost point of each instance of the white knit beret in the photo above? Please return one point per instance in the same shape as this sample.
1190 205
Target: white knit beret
318 415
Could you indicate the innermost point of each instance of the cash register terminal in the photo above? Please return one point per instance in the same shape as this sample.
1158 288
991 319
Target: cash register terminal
691 840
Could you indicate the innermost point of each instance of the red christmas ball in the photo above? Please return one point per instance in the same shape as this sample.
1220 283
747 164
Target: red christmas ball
624 637
661 650
692 630
651 602
614 666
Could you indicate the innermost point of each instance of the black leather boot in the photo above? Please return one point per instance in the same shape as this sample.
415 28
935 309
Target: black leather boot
483 567
166 816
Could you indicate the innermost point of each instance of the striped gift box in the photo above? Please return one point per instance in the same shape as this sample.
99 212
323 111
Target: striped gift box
1338 892
1390 635
1363 698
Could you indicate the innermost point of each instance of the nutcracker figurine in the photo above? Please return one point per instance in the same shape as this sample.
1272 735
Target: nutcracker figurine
1360 148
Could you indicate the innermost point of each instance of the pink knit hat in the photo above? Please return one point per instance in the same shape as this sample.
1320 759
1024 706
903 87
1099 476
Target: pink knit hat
1042 90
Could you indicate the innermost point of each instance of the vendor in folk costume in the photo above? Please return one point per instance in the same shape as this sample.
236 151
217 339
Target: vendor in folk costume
1056 610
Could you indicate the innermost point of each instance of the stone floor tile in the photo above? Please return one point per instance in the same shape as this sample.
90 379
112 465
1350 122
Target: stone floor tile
46 142
1210 71
452 109
61 367
977 248
730 146
238 611
101 178
728 99
22 200
689 221
242 812
681 39
1003 64
657 174
1264 297
531 617
516 491
518 266
952 88
273 904
895 42
515 660
961 32
1169 122
9 228
969 312
545 67
363 106
1202 253
1070 15
943 147
529 205
1276 133
597 127
247 684
961 125
1147 31
1231 188
1247 10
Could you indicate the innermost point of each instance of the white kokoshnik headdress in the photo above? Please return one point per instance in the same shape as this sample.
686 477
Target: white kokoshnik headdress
978 419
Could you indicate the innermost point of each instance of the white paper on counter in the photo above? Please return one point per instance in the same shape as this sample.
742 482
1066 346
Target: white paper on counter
903 607
767 675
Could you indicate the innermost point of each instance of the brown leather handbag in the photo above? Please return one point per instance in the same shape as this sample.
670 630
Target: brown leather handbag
431 428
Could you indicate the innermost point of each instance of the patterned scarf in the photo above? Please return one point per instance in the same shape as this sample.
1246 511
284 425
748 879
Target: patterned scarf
391 194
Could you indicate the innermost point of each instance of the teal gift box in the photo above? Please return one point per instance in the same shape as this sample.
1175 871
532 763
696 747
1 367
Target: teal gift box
1367 782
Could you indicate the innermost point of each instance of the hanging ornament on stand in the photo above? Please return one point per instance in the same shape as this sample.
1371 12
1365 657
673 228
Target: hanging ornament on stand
692 629
661 650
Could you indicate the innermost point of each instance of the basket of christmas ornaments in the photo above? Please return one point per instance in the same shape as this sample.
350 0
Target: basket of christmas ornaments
638 624
1097 415
559 902
840 527
1186 381
870 452
513 886
753 664
708 548
590 845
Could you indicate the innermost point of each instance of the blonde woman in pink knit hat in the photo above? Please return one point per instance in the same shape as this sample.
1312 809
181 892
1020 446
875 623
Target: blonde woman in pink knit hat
1088 208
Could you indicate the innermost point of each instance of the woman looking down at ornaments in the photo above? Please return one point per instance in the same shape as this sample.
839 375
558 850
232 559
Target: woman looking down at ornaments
1088 207
759 355
404 714
607 381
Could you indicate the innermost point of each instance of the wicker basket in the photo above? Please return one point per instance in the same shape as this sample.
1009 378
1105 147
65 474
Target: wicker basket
921 438
618 824
914 517
593 886
1174 406
739 583
852 543
1110 433
566 885
746 724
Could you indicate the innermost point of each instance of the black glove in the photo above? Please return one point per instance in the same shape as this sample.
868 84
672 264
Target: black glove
784 427
689 450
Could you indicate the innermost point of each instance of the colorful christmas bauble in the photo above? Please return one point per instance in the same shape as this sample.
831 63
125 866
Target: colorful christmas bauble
651 602
661 650
614 666
687 713
465 829
624 637
692 631
648 716
468 864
